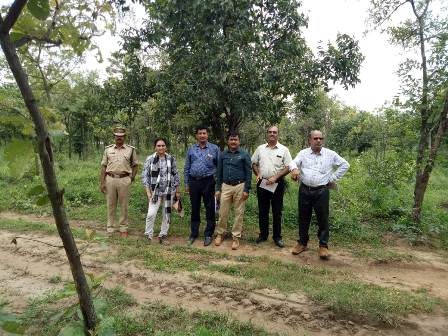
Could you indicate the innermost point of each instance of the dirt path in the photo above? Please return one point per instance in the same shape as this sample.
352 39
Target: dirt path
28 269
428 271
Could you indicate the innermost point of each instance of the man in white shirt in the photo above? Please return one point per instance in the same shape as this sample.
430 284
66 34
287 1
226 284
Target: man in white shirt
270 164
318 169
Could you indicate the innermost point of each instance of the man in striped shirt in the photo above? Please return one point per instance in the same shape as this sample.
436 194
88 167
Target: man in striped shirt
318 169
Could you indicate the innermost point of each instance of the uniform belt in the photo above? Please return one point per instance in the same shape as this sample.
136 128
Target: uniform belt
198 178
233 183
117 175
314 188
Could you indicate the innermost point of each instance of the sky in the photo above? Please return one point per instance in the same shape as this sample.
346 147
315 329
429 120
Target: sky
379 81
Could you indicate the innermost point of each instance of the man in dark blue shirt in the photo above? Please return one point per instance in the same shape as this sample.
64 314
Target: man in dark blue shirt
233 179
199 179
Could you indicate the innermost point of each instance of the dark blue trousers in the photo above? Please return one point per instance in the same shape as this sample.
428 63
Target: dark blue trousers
202 189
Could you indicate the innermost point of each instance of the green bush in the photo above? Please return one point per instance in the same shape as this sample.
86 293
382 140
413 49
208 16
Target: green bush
374 197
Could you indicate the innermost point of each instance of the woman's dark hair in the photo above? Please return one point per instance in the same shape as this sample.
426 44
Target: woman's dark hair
160 139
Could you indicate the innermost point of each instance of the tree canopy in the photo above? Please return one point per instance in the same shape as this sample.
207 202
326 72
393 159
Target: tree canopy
226 62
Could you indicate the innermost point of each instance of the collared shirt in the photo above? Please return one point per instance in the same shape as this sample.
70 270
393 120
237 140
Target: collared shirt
201 162
271 160
317 169
119 159
233 167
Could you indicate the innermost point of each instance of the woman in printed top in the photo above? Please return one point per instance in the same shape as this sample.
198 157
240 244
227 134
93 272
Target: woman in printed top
161 180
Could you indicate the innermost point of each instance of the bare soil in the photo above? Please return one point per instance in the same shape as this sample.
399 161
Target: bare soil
28 269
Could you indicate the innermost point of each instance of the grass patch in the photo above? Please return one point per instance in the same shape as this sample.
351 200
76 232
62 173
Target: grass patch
24 226
359 300
160 319
49 314
371 302
20 225
57 310
172 259
384 256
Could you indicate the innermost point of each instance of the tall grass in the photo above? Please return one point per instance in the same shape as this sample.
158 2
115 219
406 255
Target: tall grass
372 200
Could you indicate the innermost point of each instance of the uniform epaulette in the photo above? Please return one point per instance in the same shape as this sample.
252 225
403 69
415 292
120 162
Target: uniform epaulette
110 145
130 146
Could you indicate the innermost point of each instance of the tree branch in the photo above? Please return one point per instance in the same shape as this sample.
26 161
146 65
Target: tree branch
387 17
426 8
12 16
52 25
28 38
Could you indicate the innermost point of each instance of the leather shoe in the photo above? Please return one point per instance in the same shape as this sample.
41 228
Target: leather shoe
218 239
207 241
279 243
298 248
324 253
124 234
260 240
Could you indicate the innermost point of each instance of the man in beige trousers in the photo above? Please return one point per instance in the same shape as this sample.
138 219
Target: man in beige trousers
233 179
118 170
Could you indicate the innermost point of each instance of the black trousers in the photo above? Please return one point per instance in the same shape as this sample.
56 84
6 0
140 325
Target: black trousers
266 200
202 189
319 201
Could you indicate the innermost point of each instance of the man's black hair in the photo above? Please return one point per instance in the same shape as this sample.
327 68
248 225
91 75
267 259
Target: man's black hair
200 127
233 134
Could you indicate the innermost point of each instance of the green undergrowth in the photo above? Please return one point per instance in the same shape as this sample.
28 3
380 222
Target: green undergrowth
57 313
159 319
366 206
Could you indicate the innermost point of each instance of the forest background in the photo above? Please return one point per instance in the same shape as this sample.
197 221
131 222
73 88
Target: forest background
237 76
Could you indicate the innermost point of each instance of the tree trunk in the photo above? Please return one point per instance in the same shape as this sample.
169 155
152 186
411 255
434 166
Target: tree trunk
422 177
46 157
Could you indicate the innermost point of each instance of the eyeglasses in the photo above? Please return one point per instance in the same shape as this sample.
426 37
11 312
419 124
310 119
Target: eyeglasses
318 138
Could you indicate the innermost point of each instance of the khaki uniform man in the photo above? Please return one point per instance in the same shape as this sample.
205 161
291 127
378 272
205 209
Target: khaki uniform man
118 170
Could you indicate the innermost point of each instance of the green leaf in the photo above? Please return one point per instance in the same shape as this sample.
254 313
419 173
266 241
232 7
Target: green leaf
9 323
13 327
100 305
202 331
73 329
37 190
43 200
79 314
40 9
15 35
105 327
19 154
